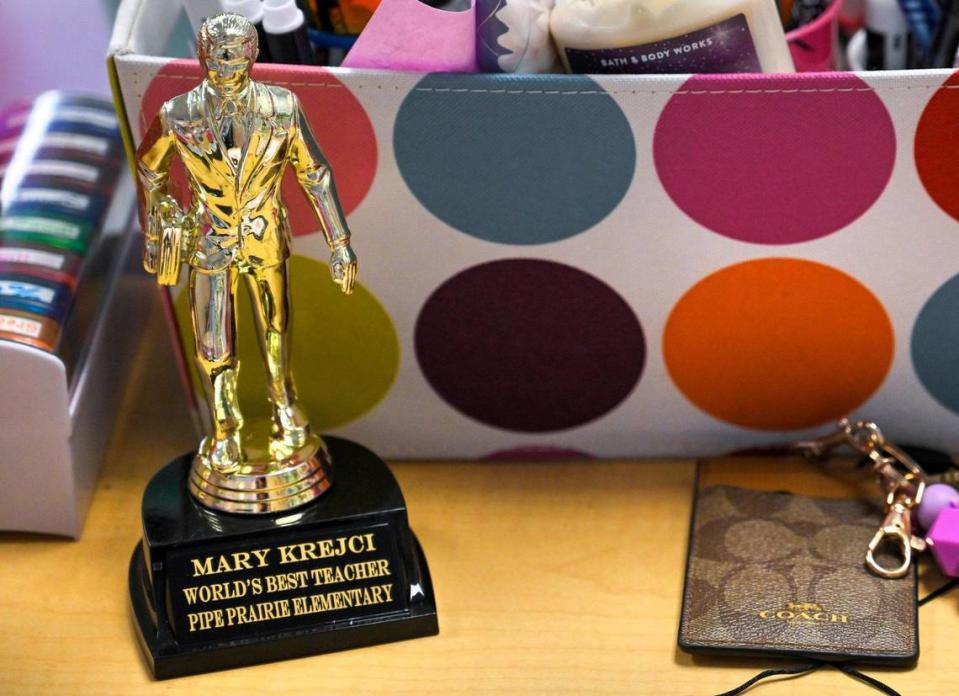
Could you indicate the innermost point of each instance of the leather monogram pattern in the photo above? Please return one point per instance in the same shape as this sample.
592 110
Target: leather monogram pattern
783 574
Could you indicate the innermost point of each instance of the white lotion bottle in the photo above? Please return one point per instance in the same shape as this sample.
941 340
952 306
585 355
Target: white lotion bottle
670 36
888 43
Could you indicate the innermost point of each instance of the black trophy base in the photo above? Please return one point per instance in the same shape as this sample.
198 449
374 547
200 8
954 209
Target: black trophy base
213 590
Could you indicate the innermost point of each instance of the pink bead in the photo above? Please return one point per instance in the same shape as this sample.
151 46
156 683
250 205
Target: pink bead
937 497
944 536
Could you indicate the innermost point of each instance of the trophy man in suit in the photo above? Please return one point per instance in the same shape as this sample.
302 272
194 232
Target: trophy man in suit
235 138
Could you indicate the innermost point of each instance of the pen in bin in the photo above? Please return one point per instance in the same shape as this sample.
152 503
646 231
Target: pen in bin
806 11
323 15
253 11
850 16
285 28
786 12
946 41
333 46
922 16
888 41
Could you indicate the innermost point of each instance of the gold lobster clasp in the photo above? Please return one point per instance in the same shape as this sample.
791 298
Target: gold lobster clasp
896 531
899 476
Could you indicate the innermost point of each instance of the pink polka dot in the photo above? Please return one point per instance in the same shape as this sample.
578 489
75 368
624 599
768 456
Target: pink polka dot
770 160
338 120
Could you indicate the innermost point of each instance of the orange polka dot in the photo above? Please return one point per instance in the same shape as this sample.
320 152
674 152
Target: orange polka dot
937 147
778 344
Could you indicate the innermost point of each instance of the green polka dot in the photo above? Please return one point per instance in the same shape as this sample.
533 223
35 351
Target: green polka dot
345 349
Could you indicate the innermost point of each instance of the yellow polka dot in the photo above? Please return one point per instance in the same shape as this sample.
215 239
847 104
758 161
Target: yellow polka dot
345 349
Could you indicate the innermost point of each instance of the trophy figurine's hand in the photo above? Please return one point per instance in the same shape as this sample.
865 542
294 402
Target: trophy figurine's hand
343 268
169 237
149 252
163 212
160 213
166 208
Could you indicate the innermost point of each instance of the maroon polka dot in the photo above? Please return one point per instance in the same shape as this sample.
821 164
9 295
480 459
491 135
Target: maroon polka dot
529 345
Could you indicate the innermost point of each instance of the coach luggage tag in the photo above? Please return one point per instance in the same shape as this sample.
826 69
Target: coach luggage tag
783 574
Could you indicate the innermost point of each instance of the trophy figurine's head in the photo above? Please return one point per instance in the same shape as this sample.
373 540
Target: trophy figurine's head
227 47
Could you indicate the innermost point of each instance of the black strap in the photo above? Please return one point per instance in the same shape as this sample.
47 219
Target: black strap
793 671
809 667
866 679
940 591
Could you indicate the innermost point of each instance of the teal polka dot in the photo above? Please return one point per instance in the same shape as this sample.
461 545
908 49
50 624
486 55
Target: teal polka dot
935 345
515 163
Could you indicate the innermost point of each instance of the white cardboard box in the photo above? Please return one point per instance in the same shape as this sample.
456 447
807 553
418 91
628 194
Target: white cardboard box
615 266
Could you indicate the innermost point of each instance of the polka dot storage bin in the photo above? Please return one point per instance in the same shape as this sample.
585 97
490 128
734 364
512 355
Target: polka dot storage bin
618 266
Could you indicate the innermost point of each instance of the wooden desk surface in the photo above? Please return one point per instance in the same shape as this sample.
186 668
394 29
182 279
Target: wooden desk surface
551 579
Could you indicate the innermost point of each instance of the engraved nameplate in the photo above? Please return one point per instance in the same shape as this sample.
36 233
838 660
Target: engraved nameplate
282 582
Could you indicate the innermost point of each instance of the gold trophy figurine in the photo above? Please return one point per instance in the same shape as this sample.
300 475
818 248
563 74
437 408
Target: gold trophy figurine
235 138
341 572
